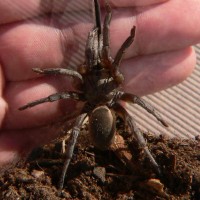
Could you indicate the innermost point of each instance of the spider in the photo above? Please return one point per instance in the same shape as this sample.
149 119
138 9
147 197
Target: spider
98 83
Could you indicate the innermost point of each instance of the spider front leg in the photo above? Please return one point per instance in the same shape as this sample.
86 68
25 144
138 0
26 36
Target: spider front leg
70 148
127 43
106 35
137 133
60 71
107 59
91 51
53 97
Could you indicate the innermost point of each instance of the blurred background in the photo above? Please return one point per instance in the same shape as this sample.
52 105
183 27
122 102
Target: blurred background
179 106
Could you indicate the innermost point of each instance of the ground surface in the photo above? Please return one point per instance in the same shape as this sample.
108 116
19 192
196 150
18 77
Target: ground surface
105 175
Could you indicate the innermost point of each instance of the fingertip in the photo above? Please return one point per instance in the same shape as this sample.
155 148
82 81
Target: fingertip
152 73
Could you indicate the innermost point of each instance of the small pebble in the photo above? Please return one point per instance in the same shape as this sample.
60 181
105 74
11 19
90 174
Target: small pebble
37 174
100 173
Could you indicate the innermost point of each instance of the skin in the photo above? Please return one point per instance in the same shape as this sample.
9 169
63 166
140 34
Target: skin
160 57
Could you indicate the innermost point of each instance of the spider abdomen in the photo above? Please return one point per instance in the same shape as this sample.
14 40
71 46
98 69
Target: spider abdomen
102 127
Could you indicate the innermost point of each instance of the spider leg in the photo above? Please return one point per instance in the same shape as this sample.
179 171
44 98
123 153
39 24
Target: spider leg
91 50
107 59
60 71
135 99
118 58
70 148
123 48
97 15
53 97
137 133
106 34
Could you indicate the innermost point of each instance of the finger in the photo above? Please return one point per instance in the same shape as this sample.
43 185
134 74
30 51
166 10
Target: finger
127 3
149 74
158 28
19 10
18 94
3 104
35 45
25 9
32 46
152 36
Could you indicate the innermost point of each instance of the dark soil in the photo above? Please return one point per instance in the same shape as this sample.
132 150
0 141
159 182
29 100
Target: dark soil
94 174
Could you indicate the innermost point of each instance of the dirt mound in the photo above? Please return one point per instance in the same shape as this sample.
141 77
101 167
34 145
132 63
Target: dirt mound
95 174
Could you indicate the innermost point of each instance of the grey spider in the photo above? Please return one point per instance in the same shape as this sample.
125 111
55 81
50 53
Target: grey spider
98 83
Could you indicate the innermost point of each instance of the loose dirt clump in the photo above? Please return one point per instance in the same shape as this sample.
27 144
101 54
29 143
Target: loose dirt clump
94 174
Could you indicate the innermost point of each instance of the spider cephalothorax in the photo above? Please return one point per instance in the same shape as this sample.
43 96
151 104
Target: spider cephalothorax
98 81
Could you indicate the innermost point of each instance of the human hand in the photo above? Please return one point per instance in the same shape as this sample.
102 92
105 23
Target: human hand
160 57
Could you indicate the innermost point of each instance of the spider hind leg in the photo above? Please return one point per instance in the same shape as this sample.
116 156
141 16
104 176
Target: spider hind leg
70 149
137 134
131 98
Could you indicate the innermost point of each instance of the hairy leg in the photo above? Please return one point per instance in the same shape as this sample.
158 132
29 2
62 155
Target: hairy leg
137 133
70 148
131 98
53 97
61 71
